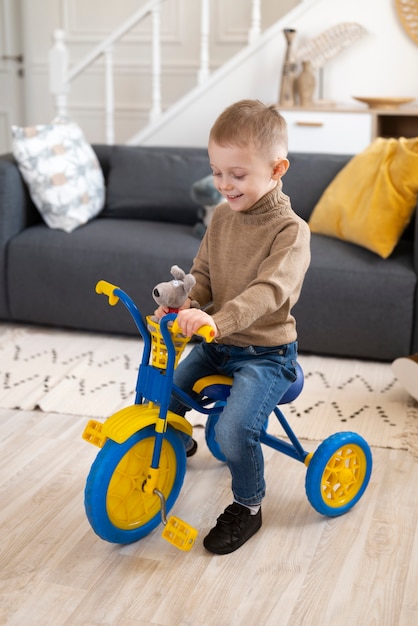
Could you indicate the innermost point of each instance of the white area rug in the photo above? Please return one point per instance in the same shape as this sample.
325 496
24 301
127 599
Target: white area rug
95 375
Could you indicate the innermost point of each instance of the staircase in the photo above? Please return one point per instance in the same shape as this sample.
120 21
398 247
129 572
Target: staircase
253 72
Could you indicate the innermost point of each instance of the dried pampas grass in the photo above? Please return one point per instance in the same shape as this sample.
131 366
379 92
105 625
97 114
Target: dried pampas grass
329 43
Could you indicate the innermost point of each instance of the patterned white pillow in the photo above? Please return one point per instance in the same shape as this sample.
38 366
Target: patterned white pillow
62 172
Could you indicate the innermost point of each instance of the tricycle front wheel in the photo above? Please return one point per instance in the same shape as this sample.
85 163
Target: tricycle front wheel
117 508
338 473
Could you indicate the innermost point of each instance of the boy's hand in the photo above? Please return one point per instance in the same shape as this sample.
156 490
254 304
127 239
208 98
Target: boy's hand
190 320
163 310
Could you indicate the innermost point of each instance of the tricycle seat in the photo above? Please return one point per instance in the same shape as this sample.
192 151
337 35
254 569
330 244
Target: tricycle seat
218 387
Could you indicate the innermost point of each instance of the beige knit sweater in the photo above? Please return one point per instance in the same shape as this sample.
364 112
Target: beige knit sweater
250 266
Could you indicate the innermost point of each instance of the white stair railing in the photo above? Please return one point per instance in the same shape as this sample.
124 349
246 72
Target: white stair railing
156 66
255 28
109 96
204 71
61 76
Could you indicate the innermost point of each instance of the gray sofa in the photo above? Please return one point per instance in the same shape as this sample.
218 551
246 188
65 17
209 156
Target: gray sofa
353 302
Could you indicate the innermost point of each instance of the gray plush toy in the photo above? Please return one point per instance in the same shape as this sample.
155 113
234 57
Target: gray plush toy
174 293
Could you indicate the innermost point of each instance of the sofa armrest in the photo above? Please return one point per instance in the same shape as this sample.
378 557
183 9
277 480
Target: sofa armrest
17 212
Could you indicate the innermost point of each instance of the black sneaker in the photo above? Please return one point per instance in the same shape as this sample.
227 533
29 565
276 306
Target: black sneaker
233 528
190 451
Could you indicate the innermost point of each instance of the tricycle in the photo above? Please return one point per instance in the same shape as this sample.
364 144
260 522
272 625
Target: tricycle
139 471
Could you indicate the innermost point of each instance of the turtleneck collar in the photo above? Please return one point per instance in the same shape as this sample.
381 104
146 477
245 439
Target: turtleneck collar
269 206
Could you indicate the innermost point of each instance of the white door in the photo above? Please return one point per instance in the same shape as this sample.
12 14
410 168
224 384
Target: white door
11 70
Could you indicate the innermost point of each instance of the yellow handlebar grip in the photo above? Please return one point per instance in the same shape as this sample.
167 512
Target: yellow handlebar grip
107 288
205 331
175 329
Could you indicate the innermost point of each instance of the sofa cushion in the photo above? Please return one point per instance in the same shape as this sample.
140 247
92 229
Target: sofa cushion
308 176
354 303
372 200
153 183
62 172
52 277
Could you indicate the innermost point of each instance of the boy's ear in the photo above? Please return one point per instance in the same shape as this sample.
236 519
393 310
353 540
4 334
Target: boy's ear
280 168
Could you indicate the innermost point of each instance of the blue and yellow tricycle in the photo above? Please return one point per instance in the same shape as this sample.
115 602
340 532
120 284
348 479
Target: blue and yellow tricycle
139 471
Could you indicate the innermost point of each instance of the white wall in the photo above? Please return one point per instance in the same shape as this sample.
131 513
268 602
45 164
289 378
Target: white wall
383 63
87 22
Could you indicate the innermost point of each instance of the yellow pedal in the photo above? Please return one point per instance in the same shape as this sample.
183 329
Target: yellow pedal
179 533
93 433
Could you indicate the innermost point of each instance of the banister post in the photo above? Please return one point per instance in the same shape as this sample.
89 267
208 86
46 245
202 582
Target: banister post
156 64
109 97
255 28
203 74
59 86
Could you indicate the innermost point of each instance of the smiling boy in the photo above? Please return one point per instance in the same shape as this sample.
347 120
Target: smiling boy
249 272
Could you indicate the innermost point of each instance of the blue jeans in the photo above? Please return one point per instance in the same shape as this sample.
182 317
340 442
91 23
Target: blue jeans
262 375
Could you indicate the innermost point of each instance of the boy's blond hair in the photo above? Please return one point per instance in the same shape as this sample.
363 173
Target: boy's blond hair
252 123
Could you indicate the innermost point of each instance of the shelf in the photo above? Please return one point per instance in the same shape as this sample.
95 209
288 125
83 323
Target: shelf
396 124
346 128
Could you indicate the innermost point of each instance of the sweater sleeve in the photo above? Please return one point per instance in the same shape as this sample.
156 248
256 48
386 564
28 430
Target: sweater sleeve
201 292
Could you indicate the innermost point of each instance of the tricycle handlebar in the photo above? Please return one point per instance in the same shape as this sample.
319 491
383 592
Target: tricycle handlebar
205 331
108 289
115 294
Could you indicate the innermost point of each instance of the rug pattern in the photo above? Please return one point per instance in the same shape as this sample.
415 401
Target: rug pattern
95 375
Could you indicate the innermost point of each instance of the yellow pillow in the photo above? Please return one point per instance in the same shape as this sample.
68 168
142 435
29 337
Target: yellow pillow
372 199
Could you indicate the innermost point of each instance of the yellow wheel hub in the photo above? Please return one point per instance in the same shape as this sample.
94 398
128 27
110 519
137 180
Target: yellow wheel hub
343 475
128 506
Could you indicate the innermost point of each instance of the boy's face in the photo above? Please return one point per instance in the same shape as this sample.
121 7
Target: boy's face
243 175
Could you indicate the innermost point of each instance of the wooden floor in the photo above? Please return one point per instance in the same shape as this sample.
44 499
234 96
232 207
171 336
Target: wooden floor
301 569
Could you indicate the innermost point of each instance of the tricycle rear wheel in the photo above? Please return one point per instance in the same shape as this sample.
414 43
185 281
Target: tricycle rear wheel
210 435
338 473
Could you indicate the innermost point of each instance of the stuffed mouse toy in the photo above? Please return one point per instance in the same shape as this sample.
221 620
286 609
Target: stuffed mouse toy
174 293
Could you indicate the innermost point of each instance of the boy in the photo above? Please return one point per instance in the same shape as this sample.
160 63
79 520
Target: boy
249 269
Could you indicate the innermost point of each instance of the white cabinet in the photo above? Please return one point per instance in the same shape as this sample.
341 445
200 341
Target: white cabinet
335 132
345 129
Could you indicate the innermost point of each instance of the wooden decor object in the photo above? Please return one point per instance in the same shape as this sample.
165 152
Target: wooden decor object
408 14
382 102
288 71
305 84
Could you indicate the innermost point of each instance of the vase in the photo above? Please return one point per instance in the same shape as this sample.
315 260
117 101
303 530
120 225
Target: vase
288 71
305 84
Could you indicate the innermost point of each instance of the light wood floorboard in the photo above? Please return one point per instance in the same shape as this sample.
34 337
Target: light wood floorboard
360 569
